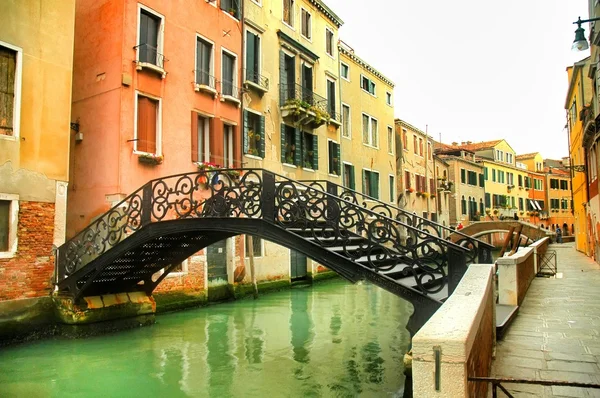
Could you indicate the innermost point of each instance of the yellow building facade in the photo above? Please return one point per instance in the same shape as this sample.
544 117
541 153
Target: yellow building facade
367 135
579 89
36 68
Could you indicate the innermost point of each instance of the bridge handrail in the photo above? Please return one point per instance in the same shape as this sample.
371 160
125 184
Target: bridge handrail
407 213
135 211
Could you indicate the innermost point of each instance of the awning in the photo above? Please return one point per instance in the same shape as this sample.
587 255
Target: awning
535 205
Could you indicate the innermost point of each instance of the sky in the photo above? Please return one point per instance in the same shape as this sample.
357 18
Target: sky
473 70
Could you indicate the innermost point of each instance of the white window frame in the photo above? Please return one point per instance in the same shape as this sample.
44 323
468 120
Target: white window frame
392 192
206 144
391 150
293 15
309 37
234 80
388 98
184 270
404 132
18 84
159 42
370 143
13 224
349 135
378 183
211 72
158 124
228 151
347 78
339 160
257 2
332 55
260 40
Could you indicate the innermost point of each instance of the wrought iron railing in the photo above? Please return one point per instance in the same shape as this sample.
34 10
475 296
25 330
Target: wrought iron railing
260 194
496 383
256 78
149 54
295 94
204 78
478 249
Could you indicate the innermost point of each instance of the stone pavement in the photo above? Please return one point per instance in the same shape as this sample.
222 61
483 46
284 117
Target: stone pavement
556 334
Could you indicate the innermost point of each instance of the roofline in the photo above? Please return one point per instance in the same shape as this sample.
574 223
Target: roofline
364 64
328 12
410 126
460 159
576 66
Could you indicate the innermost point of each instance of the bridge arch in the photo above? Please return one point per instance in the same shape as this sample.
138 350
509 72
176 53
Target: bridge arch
482 228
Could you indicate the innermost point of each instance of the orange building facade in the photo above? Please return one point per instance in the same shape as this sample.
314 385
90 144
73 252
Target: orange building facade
155 90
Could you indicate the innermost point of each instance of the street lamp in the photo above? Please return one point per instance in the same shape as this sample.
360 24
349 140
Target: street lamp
580 43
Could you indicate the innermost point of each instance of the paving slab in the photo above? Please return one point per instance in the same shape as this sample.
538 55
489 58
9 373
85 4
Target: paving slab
556 334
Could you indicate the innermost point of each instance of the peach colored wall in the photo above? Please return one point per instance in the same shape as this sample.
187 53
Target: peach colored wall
106 33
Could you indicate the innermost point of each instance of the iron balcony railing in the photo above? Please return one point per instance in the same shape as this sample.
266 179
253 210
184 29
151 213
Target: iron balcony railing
227 88
149 54
256 78
205 79
295 94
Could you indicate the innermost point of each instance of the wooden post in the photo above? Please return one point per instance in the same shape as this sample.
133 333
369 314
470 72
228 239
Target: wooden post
251 257
507 241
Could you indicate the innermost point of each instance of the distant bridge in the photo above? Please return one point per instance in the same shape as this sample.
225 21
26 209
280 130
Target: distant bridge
482 228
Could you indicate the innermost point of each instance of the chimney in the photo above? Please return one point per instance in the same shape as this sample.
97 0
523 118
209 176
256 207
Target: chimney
454 143
469 142
463 143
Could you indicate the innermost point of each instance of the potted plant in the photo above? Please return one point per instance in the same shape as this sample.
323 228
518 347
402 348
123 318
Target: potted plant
410 190
150 158
233 11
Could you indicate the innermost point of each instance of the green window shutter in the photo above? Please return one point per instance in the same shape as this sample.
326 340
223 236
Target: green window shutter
315 149
462 176
352 178
282 78
485 173
375 185
245 135
283 143
339 158
261 150
298 150
364 181
250 51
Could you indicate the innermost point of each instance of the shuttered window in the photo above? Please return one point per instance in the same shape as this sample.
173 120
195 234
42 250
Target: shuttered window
4 224
147 116
149 31
291 144
201 127
306 24
288 12
254 134
252 57
8 64
407 180
232 7
310 151
331 108
349 178
329 41
392 182
371 183
463 176
227 74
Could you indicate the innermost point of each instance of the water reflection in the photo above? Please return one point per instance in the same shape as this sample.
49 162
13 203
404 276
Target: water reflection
334 339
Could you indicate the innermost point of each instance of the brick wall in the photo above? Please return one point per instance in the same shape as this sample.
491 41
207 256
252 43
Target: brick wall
29 273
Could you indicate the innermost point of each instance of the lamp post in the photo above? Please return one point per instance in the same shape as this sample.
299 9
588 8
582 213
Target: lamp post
580 43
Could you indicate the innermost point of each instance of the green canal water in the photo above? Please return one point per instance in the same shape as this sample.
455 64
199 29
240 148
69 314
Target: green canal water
333 339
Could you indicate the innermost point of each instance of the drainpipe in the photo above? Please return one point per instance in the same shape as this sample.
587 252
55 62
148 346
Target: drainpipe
243 70
426 165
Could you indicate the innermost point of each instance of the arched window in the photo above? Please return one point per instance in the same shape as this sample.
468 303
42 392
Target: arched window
463 205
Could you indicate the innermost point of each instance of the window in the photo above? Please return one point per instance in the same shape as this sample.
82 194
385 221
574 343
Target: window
232 7
371 183
388 98
254 134
228 75
510 179
10 94
288 12
405 139
390 140
501 176
554 204
537 184
472 178
306 24
228 151
432 186
392 188
149 48
521 204
346 121
481 180
509 158
407 180
349 176
290 145
254 247
539 166
493 175
310 151
345 71
553 183
253 57
488 201
9 213
564 185
204 64
200 138
463 206
527 182
463 176
331 97
370 136
520 180
564 204
334 162
421 146
329 41
147 127
485 173
415 144
367 84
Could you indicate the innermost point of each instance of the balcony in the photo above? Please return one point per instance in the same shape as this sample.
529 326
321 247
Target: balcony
230 93
205 82
255 81
148 57
301 106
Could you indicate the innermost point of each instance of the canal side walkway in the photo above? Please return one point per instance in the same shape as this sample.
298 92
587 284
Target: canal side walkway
556 334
